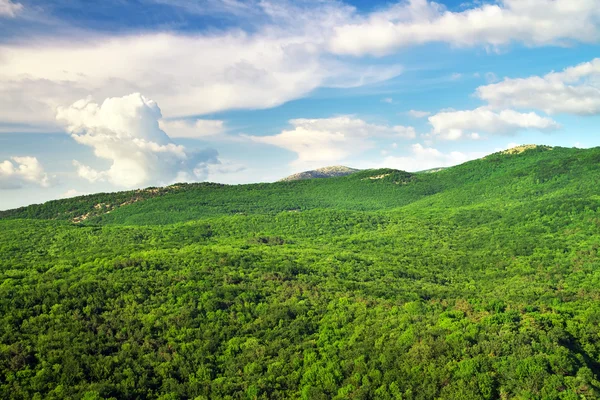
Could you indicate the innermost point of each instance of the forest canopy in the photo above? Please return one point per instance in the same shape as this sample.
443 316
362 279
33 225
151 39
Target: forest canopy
479 281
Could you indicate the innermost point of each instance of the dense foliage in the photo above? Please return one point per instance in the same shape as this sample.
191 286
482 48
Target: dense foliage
480 281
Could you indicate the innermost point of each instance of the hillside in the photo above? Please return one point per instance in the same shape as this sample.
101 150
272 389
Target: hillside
479 281
326 172
503 178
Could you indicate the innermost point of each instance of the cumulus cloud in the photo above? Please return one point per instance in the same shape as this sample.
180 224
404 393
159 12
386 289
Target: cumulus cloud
192 129
327 140
125 131
20 171
412 22
422 158
452 125
9 9
418 114
575 90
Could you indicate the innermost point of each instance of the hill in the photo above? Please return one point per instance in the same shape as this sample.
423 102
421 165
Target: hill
327 172
479 281
524 177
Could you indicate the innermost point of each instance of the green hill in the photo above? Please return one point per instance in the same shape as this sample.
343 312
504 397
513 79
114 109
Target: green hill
480 281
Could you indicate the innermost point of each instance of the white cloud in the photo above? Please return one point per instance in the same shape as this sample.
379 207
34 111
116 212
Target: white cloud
452 125
418 114
422 158
89 173
225 167
388 100
9 9
413 22
190 75
125 131
285 56
330 140
71 193
575 90
192 129
20 171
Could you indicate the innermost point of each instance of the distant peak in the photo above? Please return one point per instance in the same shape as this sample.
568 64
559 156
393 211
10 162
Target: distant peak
325 172
336 169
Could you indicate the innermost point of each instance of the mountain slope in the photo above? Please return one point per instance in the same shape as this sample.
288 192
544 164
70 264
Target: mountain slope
479 281
501 178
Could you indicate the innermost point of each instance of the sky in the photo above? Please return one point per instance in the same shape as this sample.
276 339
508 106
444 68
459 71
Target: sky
118 95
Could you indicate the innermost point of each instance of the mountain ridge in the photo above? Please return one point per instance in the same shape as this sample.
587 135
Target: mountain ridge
319 173
532 171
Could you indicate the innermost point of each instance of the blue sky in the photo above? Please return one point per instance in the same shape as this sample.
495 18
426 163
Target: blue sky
116 95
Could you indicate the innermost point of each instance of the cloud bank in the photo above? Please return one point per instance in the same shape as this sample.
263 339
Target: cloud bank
125 131
413 22
452 125
290 50
575 90
20 171
329 140
190 74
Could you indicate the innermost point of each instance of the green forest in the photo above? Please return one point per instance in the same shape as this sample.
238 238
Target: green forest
480 281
